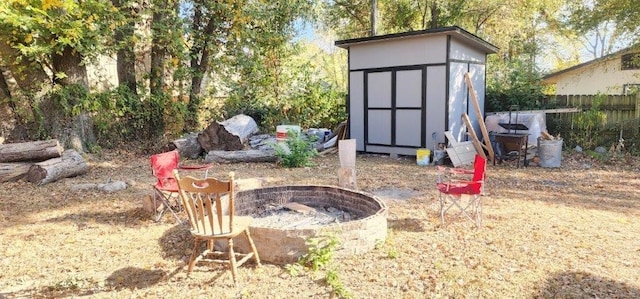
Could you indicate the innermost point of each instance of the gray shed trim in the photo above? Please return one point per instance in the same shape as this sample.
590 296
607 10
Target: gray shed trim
456 31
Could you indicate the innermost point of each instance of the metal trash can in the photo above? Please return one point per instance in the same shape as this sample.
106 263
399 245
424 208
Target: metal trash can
549 152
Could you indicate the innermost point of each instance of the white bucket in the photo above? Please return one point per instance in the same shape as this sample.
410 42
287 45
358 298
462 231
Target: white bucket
281 131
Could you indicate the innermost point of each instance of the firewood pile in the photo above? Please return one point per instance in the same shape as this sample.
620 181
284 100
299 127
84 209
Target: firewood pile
39 162
546 136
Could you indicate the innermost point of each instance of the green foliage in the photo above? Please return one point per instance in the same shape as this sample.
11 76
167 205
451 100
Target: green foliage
588 124
297 152
320 252
333 280
513 83
42 28
319 256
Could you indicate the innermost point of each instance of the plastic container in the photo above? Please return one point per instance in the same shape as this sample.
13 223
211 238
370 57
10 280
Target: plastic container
423 156
549 153
282 131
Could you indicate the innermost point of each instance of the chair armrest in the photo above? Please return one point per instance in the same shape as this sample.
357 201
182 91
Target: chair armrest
194 166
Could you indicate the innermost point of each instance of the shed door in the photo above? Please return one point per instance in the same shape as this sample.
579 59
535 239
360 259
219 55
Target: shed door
394 107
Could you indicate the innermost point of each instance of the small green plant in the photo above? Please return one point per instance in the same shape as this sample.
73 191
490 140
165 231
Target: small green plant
320 252
69 284
319 256
332 279
297 152
588 124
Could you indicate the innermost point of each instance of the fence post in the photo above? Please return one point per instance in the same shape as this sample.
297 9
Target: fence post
637 105
637 112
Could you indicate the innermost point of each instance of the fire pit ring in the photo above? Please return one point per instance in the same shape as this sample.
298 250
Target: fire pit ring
366 228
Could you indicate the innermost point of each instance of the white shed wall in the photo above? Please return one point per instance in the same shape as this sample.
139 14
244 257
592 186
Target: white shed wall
457 99
461 51
436 104
406 51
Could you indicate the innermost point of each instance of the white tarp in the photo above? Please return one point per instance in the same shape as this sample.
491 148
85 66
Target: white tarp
536 122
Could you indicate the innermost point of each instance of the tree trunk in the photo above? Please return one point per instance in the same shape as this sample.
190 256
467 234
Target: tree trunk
158 48
70 63
126 67
30 151
13 171
435 15
70 164
248 156
229 135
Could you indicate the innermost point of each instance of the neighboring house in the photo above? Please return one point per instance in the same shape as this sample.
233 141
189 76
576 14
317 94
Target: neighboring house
614 74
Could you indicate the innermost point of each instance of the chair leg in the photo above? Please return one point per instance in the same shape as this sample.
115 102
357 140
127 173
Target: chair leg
232 262
441 208
253 247
167 206
194 255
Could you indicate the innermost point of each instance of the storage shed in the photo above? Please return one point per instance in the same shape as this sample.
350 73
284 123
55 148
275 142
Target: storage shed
407 89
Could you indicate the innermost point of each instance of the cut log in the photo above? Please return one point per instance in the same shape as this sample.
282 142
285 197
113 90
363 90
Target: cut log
229 135
34 151
547 136
70 164
188 146
240 156
13 171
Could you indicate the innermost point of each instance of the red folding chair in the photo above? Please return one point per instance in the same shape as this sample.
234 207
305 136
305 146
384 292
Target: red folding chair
166 194
453 189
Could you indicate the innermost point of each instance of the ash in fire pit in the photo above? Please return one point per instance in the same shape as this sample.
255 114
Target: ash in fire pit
293 215
286 216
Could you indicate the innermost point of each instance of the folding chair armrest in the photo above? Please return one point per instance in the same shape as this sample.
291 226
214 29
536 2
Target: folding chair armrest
189 167
194 166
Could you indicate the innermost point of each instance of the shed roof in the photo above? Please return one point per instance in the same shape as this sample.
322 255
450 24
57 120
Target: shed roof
455 31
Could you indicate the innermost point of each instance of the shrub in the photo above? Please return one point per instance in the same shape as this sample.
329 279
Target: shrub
297 152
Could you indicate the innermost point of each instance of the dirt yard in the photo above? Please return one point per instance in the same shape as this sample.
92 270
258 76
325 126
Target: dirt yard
572 232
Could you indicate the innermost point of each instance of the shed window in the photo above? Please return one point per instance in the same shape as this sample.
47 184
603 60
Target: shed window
631 61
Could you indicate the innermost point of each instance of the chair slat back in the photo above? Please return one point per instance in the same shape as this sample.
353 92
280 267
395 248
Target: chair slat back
209 203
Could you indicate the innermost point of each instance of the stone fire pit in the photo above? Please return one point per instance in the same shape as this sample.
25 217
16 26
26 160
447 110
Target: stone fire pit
364 224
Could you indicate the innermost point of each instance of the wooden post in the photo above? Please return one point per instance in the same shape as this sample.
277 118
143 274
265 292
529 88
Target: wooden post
483 127
474 137
347 171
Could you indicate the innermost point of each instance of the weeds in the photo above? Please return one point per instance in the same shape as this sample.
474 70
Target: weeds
297 152
319 256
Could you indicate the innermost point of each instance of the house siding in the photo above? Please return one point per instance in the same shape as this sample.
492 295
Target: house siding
604 77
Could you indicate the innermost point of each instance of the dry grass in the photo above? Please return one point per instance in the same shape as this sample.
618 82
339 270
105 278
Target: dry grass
555 233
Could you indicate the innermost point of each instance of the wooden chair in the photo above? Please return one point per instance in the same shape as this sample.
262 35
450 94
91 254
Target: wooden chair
209 203
452 190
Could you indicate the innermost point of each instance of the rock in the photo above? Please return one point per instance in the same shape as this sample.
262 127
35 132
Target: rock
601 150
578 149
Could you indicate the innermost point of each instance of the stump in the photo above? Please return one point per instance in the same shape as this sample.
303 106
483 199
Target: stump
229 135
69 164
30 151
187 146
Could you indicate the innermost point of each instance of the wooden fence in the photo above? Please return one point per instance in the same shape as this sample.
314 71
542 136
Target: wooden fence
618 108
622 115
